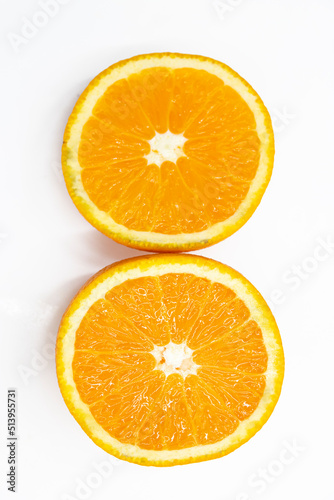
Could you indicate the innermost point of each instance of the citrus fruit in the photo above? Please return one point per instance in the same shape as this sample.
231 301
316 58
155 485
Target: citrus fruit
168 152
169 359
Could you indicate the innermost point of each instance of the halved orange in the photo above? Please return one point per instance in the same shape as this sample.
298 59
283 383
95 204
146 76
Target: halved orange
169 359
168 152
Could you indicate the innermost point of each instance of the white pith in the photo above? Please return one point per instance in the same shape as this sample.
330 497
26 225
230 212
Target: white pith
165 147
259 312
175 358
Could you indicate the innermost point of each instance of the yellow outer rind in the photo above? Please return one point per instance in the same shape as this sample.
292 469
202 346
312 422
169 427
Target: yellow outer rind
144 263
143 240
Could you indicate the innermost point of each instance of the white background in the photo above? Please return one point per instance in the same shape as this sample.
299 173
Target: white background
284 48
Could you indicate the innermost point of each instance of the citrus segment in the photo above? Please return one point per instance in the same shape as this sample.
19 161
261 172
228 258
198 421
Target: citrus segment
103 148
119 107
191 92
213 422
113 370
241 349
170 429
121 414
240 392
153 89
103 330
184 297
141 301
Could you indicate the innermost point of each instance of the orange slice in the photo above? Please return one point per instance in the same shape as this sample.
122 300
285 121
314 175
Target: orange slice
168 152
169 359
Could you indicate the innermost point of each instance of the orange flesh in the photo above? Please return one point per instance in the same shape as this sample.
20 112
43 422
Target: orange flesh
129 394
205 186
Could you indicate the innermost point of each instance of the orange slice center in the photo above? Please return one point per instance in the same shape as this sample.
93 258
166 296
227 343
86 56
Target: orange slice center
175 358
165 147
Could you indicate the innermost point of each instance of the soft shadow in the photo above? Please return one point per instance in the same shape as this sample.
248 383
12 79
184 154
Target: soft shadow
62 297
98 251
